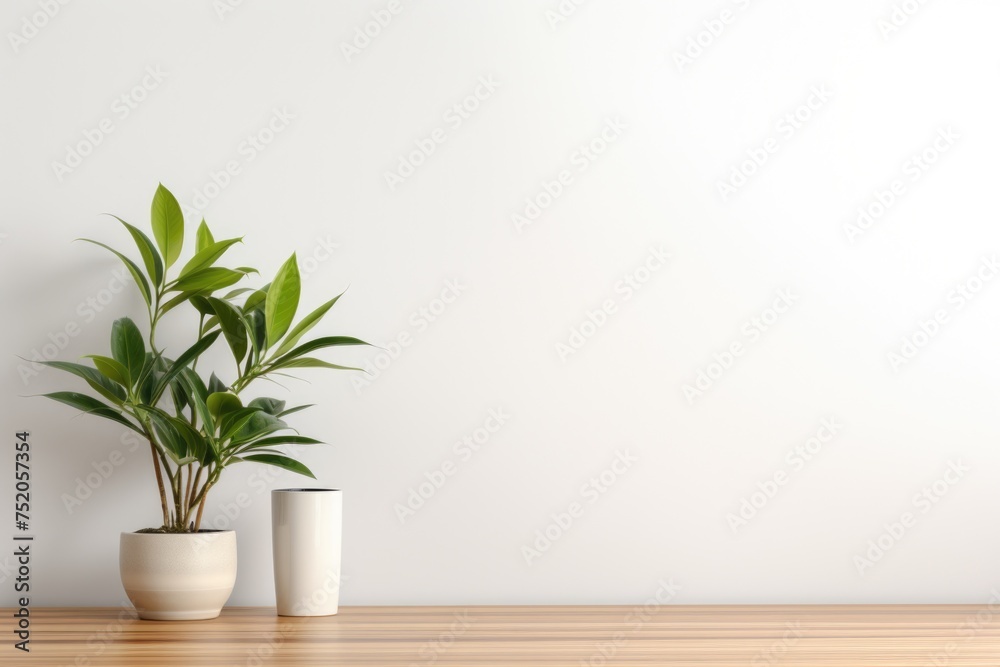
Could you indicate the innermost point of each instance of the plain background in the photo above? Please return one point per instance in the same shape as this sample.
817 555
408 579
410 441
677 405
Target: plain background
319 189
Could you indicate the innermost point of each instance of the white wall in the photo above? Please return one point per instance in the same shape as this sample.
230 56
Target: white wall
320 184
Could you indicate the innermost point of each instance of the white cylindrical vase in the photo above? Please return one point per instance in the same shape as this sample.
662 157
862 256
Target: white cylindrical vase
305 536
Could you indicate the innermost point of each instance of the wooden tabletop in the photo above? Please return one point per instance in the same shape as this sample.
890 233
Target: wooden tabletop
695 636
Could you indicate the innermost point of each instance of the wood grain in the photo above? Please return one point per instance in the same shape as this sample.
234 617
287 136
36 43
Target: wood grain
682 636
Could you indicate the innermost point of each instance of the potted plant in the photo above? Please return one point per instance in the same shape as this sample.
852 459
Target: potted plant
196 422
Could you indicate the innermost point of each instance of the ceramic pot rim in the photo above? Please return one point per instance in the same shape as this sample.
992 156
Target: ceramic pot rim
305 490
201 533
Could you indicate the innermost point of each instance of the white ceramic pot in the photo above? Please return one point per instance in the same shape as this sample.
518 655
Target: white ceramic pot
305 535
178 576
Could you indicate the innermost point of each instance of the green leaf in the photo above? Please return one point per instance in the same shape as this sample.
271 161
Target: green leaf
235 420
232 326
183 297
168 225
90 405
168 435
194 384
249 326
258 331
307 323
98 382
284 440
209 324
281 462
202 305
187 357
260 425
255 450
210 279
271 406
197 395
221 403
312 362
297 408
254 429
112 369
146 386
127 346
316 344
179 396
151 258
149 377
204 237
236 292
215 384
257 299
195 297
133 268
282 300
207 257
184 444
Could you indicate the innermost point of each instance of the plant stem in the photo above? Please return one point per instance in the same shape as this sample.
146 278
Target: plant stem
201 504
187 495
244 381
159 483
154 317
182 487
152 336
176 481
192 496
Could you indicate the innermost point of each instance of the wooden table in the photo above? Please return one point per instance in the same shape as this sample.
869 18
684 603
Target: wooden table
806 636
